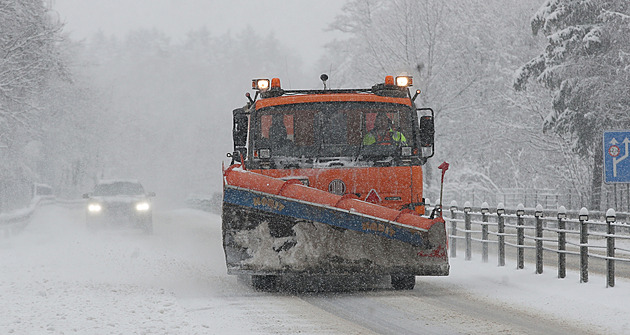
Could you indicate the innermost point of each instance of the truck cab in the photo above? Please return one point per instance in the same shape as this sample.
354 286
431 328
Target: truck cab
369 143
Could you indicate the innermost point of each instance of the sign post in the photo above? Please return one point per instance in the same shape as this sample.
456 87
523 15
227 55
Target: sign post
617 156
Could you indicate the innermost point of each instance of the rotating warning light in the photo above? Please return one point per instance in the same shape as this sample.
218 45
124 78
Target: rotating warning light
404 81
261 84
275 83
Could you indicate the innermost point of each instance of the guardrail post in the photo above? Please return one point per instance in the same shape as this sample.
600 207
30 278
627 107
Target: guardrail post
611 217
467 227
453 229
484 232
583 245
539 235
562 243
520 237
501 232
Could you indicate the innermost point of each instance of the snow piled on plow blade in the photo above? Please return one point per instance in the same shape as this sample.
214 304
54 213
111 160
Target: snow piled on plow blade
267 233
317 248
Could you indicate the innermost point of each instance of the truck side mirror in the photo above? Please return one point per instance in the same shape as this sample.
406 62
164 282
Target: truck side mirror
427 131
239 132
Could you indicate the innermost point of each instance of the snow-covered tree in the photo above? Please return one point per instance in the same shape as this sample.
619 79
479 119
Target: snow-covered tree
586 64
29 58
462 55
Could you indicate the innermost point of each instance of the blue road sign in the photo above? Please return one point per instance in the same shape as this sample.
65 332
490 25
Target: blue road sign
616 156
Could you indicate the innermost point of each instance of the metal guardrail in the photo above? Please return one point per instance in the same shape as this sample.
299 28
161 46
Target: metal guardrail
550 231
15 221
208 203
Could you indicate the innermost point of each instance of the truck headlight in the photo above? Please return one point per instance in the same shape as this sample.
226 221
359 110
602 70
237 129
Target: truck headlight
264 153
406 151
426 151
142 206
94 208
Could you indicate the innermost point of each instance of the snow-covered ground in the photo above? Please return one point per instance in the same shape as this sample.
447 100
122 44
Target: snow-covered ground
57 278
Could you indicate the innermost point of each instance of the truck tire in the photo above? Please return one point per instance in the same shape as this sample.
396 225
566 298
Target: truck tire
267 283
403 282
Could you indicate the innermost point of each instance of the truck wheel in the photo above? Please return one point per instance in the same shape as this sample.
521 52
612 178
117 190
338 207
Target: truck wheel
403 282
265 282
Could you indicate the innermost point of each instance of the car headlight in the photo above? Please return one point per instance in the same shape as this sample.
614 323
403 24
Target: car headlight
94 208
142 206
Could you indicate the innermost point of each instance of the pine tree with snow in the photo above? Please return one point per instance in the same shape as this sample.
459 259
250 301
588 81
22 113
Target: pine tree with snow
586 65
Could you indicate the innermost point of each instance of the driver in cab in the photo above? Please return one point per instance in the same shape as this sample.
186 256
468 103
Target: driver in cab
383 133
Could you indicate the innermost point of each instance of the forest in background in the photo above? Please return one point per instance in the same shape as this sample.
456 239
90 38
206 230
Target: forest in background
520 89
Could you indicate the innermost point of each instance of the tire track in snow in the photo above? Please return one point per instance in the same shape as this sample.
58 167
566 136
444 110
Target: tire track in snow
434 309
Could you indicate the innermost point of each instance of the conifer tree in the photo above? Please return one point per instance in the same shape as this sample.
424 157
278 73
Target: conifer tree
586 64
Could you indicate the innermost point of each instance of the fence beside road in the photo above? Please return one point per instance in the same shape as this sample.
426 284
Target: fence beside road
15 221
583 234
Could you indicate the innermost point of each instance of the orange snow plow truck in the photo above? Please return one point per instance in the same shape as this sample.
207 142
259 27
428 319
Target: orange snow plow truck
329 182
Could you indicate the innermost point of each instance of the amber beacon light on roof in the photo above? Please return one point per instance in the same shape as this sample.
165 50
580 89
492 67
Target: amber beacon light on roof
263 85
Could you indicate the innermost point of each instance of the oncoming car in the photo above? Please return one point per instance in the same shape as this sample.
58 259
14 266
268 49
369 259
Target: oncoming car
119 203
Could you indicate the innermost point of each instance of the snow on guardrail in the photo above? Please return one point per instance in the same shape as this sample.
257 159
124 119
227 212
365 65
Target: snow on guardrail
15 221
593 235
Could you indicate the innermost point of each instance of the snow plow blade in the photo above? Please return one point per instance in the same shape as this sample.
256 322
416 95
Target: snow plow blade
272 226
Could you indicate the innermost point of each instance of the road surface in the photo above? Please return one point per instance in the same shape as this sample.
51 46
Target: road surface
59 278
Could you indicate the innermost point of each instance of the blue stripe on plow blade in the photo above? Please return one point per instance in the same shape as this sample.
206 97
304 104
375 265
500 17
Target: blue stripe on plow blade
325 214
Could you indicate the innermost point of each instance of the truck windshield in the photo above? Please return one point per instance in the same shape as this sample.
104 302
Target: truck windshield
333 129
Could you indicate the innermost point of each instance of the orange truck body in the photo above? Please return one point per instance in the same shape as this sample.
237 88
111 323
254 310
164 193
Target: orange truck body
395 186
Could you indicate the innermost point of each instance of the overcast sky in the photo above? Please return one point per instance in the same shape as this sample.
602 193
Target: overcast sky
296 23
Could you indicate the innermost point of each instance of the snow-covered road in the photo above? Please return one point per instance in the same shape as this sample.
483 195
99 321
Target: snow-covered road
57 278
